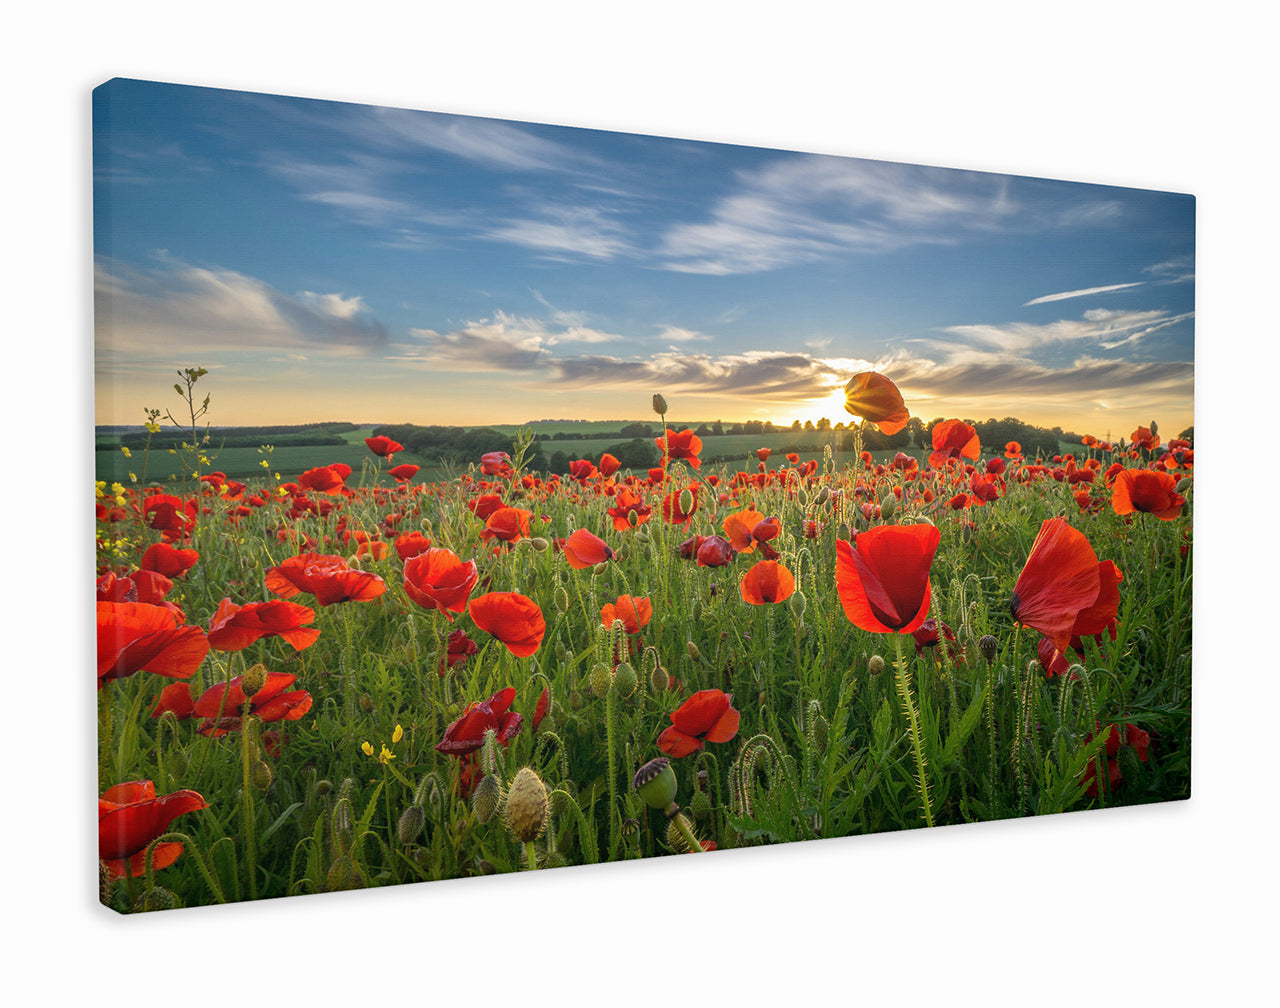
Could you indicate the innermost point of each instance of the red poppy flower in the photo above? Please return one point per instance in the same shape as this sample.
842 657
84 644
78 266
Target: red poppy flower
411 544
543 707
322 479
137 637
171 516
738 529
168 560
713 551
235 627
793 458
883 577
485 505
437 579
466 735
583 549
130 816
138 586
326 577
766 582
1132 736
609 465
1053 661
707 716
507 524
383 446
1060 580
175 699
1100 617
874 397
931 633
673 512
513 618
635 613
763 454
626 504
1143 438
581 469
273 702
1013 450
1148 491
953 439
766 529
681 445
404 473
460 647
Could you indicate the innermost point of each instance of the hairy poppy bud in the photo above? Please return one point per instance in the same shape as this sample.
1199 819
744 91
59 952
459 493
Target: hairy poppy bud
700 804
323 787
344 875
526 809
658 679
599 679
659 405
485 798
254 678
656 783
695 611
562 599
540 544
1183 486
624 680
875 664
988 645
260 775
888 505
410 824
694 653
156 898
798 603
686 500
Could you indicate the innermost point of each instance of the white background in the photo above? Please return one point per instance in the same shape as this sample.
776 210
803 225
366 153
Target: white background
1172 904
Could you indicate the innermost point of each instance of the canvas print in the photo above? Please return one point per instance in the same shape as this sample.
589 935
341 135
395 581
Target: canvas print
478 496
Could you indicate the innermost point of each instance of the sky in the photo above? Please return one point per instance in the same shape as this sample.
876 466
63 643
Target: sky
332 261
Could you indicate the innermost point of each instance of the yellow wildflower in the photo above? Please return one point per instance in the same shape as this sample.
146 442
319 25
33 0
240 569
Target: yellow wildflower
366 748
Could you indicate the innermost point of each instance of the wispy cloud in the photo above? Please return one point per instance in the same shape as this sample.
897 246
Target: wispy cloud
1179 270
1085 292
1098 325
565 232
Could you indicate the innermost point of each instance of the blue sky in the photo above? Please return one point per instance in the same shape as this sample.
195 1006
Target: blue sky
336 261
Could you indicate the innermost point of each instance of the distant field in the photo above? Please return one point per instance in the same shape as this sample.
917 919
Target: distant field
244 463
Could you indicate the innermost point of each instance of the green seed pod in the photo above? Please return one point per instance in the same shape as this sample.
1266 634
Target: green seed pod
656 782
156 898
624 680
409 827
599 679
988 645
526 808
485 798
323 787
875 664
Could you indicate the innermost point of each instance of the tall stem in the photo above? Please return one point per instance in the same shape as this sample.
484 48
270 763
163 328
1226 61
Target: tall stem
903 675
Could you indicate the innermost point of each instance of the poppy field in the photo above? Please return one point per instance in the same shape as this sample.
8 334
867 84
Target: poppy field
358 678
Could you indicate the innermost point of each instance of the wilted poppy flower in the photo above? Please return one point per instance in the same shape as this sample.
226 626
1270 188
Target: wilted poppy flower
168 560
135 636
766 582
326 577
681 445
883 577
459 648
1146 490
222 706
635 613
713 551
513 618
707 716
583 549
130 816
235 627
1060 580
953 439
466 735
383 446
437 579
874 397
404 473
